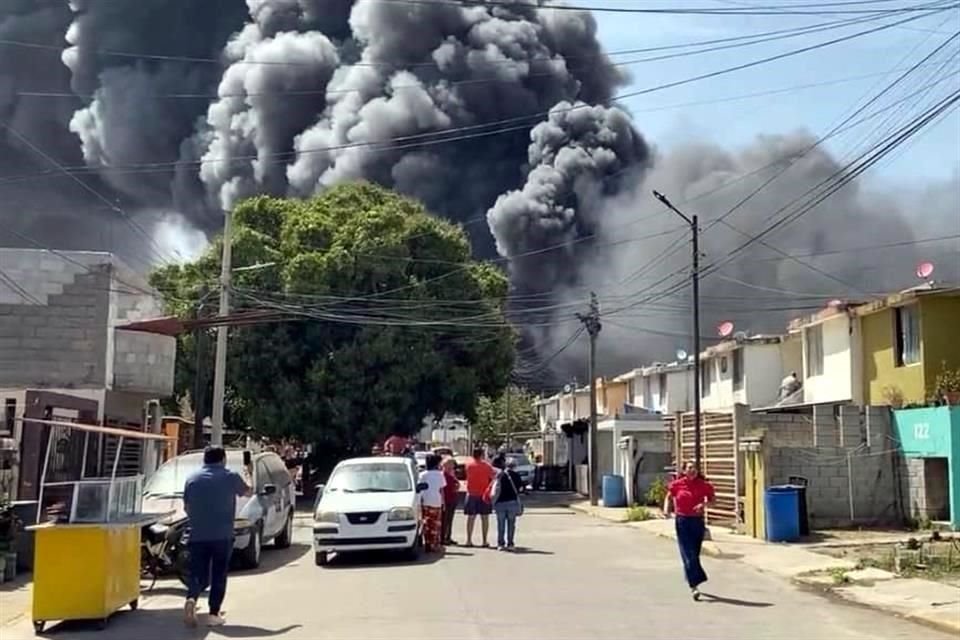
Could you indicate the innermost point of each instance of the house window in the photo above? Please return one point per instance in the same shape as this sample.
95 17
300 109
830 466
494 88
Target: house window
663 389
9 414
908 335
706 376
723 364
813 343
738 369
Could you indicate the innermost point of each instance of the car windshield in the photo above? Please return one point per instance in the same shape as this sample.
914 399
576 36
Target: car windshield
371 477
519 459
170 478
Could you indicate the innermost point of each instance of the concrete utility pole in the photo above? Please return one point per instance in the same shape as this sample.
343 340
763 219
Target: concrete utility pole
591 321
220 364
509 418
695 277
199 379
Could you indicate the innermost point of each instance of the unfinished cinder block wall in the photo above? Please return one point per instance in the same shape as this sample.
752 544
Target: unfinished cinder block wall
844 453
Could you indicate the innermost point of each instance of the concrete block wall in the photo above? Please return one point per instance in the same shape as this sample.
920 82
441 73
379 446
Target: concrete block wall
62 342
816 445
144 362
925 488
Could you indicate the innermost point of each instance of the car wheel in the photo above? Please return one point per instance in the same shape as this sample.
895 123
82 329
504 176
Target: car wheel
285 537
250 556
321 559
413 553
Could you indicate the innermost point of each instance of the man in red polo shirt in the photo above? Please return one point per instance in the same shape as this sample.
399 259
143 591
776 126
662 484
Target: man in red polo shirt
689 495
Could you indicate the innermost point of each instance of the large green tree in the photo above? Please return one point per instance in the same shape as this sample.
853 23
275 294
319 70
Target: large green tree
491 415
390 318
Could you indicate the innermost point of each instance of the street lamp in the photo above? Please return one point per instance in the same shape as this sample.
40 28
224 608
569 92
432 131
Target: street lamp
695 278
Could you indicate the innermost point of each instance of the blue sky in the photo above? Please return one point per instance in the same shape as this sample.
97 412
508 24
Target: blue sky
855 70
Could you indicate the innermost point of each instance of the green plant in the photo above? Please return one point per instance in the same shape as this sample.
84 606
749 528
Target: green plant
839 576
657 493
893 396
948 380
638 514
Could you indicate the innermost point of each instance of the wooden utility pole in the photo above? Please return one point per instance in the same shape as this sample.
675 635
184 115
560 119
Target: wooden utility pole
591 321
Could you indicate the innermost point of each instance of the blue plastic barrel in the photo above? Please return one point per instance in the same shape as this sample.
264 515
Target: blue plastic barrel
782 513
614 491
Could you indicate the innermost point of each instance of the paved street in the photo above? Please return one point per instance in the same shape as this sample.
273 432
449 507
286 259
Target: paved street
580 578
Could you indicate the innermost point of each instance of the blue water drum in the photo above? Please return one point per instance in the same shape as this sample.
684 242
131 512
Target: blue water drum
782 508
614 492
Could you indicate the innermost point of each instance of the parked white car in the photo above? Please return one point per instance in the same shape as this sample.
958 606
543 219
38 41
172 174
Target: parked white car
525 469
264 517
368 504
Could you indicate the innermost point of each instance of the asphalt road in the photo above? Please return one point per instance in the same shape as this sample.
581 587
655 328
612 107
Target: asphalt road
576 577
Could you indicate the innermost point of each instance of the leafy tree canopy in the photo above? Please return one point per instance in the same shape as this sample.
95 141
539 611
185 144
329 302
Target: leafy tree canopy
490 422
394 318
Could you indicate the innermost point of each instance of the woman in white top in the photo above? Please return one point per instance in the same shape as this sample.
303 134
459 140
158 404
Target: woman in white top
431 500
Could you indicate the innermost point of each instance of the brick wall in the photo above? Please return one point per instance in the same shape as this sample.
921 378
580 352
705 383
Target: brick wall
842 452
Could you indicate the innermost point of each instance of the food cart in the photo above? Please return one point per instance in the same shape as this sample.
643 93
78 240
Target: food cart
87 556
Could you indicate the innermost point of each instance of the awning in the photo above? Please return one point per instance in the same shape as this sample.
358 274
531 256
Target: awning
95 428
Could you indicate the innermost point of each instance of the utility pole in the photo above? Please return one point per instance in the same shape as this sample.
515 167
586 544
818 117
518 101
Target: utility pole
695 278
509 418
591 321
220 364
199 380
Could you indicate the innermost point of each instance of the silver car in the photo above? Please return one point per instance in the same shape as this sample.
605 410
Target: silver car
266 516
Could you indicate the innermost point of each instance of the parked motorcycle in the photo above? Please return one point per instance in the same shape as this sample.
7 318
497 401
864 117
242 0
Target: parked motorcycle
164 551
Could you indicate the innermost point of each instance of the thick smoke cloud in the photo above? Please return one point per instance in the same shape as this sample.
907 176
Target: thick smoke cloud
504 113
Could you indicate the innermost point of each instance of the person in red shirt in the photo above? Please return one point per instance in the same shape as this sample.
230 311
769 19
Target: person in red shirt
395 445
480 474
689 495
451 496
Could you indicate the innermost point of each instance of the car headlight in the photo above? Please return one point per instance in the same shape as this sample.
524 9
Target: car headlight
327 516
402 513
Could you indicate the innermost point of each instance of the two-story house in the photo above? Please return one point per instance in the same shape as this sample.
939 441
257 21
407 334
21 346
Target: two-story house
660 388
887 351
63 357
746 370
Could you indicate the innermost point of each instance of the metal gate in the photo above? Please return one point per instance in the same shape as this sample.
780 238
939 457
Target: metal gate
719 453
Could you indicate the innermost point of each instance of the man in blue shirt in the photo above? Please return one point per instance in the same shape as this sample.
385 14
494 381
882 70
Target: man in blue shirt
210 500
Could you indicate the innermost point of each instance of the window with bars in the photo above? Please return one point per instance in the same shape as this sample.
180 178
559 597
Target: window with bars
907 328
738 369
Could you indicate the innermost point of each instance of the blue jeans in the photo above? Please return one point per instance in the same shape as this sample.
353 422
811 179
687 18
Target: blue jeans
690 532
209 561
507 513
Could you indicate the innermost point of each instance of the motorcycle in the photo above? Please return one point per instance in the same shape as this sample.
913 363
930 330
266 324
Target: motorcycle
164 551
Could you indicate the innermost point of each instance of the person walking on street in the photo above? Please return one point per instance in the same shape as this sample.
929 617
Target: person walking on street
431 500
690 495
210 500
507 505
451 495
479 476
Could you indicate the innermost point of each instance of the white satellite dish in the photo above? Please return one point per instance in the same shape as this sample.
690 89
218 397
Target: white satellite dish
681 354
566 388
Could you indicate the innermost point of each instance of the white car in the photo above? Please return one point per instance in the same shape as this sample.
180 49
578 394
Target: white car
421 458
369 504
524 468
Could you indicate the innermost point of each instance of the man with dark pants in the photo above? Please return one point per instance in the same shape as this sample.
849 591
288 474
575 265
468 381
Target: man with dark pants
210 500
479 476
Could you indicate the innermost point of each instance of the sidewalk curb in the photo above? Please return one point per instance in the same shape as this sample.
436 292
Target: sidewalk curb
710 548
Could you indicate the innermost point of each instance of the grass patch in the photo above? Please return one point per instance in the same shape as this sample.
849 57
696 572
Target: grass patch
638 514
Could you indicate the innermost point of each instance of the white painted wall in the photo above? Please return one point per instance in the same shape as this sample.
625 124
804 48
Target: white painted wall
836 383
764 371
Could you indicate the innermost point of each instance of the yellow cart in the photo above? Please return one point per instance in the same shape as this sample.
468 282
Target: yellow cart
87 566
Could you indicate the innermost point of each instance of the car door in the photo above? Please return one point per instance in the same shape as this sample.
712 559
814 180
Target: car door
267 503
285 490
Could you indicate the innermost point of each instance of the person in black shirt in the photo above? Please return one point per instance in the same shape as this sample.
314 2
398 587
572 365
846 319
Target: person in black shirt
507 505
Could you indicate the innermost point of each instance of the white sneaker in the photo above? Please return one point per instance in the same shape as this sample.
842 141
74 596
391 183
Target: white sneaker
190 613
215 621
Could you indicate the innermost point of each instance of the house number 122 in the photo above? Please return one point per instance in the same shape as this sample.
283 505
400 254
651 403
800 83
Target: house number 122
921 431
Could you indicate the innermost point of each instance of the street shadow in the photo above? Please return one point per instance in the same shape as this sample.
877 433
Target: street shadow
527 551
385 559
156 624
272 559
708 598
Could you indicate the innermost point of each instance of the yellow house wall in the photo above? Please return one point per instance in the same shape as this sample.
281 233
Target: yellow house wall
940 331
880 372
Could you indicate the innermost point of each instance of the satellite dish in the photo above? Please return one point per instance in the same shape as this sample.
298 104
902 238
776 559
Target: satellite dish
835 303
724 329
924 270
566 388
681 354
